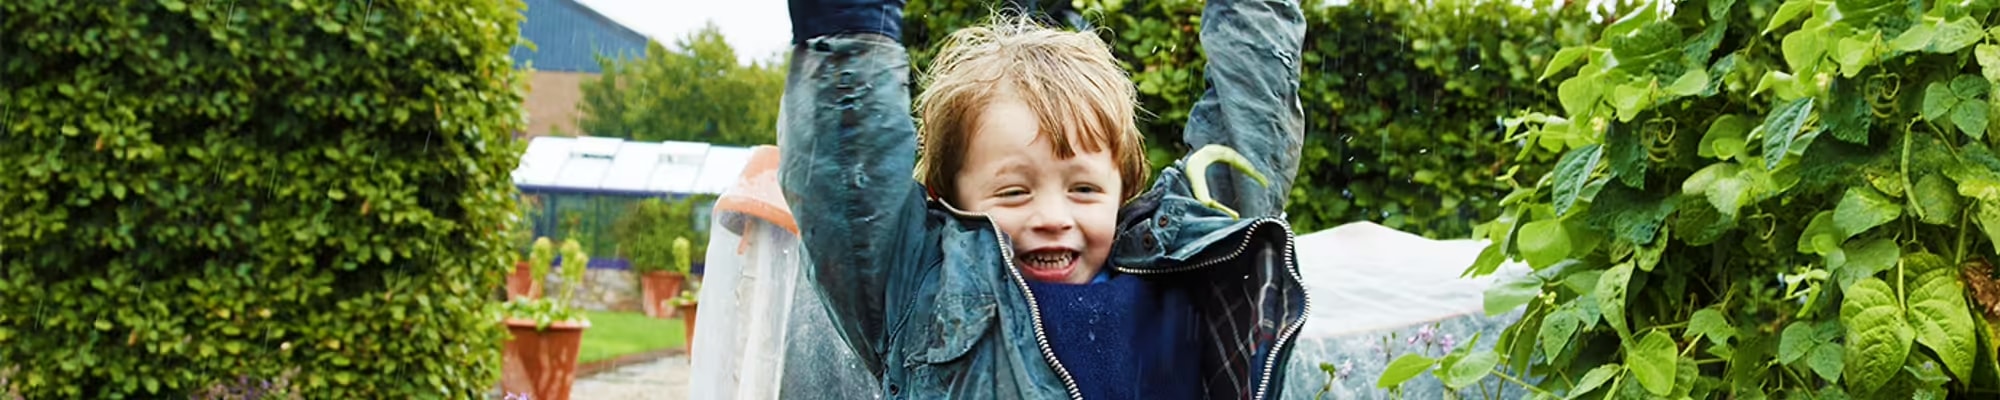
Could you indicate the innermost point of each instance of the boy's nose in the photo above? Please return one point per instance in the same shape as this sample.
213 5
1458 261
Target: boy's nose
1050 216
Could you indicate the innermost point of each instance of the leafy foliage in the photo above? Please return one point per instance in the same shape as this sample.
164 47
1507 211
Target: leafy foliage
1401 96
202 193
650 231
695 92
1814 234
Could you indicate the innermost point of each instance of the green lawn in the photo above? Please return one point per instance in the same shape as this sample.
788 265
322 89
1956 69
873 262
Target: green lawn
614 334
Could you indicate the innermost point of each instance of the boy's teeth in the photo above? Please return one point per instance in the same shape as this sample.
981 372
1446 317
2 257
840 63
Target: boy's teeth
1049 259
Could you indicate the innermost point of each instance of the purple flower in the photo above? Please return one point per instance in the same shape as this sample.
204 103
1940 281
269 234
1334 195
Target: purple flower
1346 367
1447 342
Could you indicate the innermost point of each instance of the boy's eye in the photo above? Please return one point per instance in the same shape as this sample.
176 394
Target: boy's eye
1013 193
1086 189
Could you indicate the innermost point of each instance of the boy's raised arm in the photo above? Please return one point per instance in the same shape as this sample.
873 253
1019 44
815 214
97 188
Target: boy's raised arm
848 148
1252 101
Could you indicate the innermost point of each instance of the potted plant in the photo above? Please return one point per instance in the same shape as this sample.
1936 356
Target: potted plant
686 304
540 358
522 234
650 235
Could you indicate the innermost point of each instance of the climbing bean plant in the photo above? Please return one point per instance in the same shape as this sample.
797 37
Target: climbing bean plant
1760 198
1402 98
211 196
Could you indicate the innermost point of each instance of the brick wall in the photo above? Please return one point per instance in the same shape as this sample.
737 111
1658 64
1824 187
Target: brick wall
554 101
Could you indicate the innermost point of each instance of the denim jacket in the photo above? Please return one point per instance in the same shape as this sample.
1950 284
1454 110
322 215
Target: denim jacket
930 297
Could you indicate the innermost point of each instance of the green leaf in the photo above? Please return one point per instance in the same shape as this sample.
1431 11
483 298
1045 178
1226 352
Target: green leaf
1968 87
1826 359
1543 243
1722 184
1821 235
1725 137
1471 369
1803 50
1848 114
1719 9
1989 222
1653 362
1595 379
1916 38
1611 298
1631 98
1989 61
1572 174
1938 101
1489 260
1698 50
1798 339
1863 208
1936 200
1864 259
1878 339
1971 109
1557 329
1956 34
1562 60
1938 311
1404 368
1786 13
1579 96
1782 127
1711 324
1506 297
1690 83
1627 154
1855 53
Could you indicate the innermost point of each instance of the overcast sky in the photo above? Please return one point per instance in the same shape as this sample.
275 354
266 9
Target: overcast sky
757 29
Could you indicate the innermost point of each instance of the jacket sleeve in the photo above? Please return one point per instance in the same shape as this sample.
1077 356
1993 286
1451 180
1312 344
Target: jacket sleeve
848 149
1252 101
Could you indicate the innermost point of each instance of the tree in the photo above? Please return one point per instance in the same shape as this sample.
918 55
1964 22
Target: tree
695 92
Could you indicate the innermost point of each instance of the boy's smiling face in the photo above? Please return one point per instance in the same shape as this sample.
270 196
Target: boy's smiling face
1060 212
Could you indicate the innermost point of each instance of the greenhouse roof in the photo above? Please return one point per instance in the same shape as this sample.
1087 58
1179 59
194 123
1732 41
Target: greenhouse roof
617 166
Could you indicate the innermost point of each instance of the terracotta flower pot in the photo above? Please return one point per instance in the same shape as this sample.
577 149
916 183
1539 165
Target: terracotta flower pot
687 319
658 287
542 363
521 283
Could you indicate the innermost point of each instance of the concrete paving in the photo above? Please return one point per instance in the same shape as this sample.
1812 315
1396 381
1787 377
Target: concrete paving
665 378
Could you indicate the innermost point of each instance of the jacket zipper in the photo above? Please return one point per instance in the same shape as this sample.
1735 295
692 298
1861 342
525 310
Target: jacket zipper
1035 312
1285 336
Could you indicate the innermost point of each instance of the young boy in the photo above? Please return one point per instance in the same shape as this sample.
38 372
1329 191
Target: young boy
1029 263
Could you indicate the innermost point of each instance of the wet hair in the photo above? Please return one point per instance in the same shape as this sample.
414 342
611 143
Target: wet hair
1067 79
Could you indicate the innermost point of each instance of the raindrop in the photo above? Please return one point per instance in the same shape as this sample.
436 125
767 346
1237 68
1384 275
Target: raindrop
1475 67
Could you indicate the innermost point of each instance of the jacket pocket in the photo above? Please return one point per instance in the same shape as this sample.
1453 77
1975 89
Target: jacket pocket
958 323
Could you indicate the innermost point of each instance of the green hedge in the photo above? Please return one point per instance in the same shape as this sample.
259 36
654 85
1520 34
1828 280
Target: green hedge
203 193
1763 198
1402 100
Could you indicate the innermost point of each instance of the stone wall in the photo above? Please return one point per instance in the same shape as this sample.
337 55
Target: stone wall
606 289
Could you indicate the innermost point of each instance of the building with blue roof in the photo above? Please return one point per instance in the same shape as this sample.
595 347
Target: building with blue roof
567 38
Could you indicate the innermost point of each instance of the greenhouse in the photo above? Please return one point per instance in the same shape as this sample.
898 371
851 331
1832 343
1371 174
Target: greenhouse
585 183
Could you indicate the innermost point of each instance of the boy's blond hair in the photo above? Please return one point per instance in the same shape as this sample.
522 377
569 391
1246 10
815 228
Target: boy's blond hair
1069 80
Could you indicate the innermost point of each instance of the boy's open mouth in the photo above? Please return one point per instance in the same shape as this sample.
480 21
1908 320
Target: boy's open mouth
1052 265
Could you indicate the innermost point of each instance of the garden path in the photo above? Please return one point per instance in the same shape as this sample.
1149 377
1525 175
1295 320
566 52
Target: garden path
664 378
